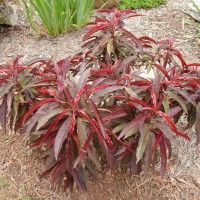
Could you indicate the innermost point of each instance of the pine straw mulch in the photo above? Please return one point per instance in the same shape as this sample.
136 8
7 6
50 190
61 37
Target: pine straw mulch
20 167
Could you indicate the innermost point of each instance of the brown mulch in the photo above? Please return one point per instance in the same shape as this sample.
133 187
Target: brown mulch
20 167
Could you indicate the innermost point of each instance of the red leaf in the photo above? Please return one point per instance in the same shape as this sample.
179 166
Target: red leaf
96 82
110 159
83 79
197 124
163 157
163 70
40 112
156 85
166 117
166 130
185 94
3 114
95 127
136 167
106 90
47 172
115 114
68 182
146 38
172 83
120 141
16 61
133 38
173 111
52 126
123 64
154 99
68 154
99 27
98 116
100 72
158 139
33 109
78 96
59 173
84 150
142 103
169 147
149 152
61 136
4 79
79 180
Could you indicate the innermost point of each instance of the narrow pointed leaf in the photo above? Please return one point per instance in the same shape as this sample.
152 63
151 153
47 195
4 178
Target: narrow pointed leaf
106 91
185 94
132 124
163 157
61 136
197 124
149 152
33 109
40 112
45 118
178 99
142 142
84 150
191 117
3 114
5 89
166 130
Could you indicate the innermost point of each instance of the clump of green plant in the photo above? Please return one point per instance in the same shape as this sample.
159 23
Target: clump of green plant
195 14
119 99
136 4
58 17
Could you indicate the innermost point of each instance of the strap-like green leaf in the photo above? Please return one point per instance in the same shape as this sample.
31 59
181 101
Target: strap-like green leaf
142 142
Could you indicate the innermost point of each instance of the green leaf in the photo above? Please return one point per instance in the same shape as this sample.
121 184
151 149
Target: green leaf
119 128
166 105
142 142
131 132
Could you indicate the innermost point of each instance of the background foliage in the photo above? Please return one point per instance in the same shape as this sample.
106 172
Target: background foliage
195 14
136 4
58 16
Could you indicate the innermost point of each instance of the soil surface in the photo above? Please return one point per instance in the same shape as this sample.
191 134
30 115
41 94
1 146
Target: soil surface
20 167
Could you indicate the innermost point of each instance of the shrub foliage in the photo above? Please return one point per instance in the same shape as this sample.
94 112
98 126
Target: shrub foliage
120 99
136 4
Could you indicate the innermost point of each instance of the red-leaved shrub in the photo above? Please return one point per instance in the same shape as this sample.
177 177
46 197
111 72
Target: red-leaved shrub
120 99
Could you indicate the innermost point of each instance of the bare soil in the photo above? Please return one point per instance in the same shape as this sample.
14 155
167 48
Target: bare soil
20 167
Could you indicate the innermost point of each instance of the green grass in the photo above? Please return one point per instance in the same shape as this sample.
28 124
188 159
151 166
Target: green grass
136 4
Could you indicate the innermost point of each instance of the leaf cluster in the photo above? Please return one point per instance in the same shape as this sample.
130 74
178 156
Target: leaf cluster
118 99
58 17
136 4
195 14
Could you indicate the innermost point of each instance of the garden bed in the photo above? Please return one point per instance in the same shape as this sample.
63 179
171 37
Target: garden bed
19 166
